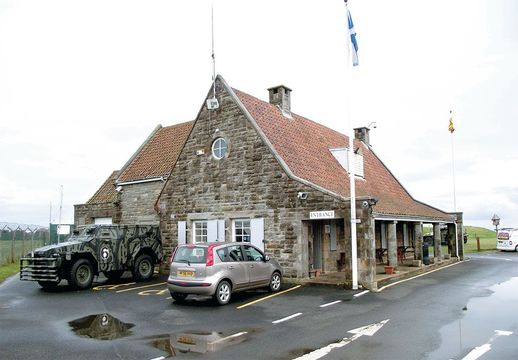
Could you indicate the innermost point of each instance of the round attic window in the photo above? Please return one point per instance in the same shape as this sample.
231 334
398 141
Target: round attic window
219 148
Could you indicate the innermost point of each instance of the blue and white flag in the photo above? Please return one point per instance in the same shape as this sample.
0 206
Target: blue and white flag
352 32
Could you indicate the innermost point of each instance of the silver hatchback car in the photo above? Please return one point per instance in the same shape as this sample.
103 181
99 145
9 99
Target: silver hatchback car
220 269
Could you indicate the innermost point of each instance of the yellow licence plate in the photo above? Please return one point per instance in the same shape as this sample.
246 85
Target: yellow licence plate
186 273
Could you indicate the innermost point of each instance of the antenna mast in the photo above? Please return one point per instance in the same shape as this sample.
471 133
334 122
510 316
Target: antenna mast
213 104
213 56
60 209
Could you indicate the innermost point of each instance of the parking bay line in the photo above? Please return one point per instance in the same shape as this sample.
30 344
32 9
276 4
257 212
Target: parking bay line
286 318
331 303
267 297
141 287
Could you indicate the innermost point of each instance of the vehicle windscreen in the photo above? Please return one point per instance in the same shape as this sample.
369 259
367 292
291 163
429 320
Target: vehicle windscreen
191 255
83 233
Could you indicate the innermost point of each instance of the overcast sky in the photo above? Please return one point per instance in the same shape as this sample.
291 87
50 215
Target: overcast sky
83 83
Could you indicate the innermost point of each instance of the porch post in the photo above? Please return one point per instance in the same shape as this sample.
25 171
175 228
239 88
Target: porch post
418 241
367 251
452 241
392 244
437 241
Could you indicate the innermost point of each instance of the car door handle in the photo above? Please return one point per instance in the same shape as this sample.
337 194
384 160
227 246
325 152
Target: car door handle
251 265
231 267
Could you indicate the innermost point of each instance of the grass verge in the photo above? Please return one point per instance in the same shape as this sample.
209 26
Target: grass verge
487 239
8 270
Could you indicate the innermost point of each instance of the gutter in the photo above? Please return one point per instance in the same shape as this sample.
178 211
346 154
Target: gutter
415 219
161 178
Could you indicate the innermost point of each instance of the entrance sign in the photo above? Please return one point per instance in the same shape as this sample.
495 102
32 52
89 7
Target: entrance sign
326 214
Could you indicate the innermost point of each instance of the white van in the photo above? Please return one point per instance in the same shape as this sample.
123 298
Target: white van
507 239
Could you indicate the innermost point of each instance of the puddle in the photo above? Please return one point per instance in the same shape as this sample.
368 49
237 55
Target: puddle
478 322
100 327
198 342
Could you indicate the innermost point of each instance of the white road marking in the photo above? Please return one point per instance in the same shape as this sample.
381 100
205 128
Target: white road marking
331 303
362 293
159 358
230 337
286 318
482 349
368 330
494 258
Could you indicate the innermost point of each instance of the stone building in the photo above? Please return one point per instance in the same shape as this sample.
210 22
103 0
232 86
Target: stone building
255 171
128 196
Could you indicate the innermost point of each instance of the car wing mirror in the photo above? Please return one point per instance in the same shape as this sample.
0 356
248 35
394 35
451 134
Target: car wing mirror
266 258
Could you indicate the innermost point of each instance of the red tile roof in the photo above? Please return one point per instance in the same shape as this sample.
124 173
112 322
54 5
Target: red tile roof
158 155
304 146
106 193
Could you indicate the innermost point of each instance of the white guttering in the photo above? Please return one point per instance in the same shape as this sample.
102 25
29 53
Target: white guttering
161 178
391 218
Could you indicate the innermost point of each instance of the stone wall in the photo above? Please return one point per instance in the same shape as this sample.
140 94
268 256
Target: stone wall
138 203
85 214
247 183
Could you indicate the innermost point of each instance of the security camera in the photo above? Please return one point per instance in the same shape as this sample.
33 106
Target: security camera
302 195
118 188
365 204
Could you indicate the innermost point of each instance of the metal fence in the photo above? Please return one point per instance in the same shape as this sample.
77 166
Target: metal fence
18 240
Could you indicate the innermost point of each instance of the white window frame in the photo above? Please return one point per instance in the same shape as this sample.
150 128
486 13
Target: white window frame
216 147
238 225
201 237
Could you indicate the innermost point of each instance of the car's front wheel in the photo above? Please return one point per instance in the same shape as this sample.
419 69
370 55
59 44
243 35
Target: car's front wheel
81 274
223 293
275 282
143 269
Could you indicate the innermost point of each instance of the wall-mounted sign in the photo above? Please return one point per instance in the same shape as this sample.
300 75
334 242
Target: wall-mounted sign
326 214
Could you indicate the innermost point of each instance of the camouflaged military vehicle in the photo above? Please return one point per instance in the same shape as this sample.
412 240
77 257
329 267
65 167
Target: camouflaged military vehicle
95 249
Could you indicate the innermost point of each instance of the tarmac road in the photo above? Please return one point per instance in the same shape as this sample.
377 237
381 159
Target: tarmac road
466 311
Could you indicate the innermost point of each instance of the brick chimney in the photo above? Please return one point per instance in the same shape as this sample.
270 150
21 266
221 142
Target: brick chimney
362 134
281 96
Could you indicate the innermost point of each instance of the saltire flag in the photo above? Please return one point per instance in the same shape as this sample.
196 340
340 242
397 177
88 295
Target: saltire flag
451 129
352 33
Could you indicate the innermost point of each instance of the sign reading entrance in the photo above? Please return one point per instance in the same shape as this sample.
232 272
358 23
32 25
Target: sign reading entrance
326 214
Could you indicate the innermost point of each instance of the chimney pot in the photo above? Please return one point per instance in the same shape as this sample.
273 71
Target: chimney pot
281 96
362 134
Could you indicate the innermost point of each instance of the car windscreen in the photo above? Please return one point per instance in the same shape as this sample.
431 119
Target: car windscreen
191 254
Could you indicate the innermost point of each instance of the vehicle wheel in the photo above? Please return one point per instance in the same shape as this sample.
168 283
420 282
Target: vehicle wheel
178 297
143 268
223 293
81 274
48 285
114 275
275 282
516 248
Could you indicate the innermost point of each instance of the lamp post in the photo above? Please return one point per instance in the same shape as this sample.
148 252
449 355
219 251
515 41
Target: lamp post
496 222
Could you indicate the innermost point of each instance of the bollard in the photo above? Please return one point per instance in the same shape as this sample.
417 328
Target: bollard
478 243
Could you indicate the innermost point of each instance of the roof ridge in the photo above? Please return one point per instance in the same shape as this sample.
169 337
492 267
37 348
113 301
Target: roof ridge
178 125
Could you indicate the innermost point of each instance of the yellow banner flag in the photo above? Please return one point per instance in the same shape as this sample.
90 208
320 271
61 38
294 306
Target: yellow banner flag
450 127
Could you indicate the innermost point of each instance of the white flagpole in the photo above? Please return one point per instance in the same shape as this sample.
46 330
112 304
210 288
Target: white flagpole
352 185
454 191
453 167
